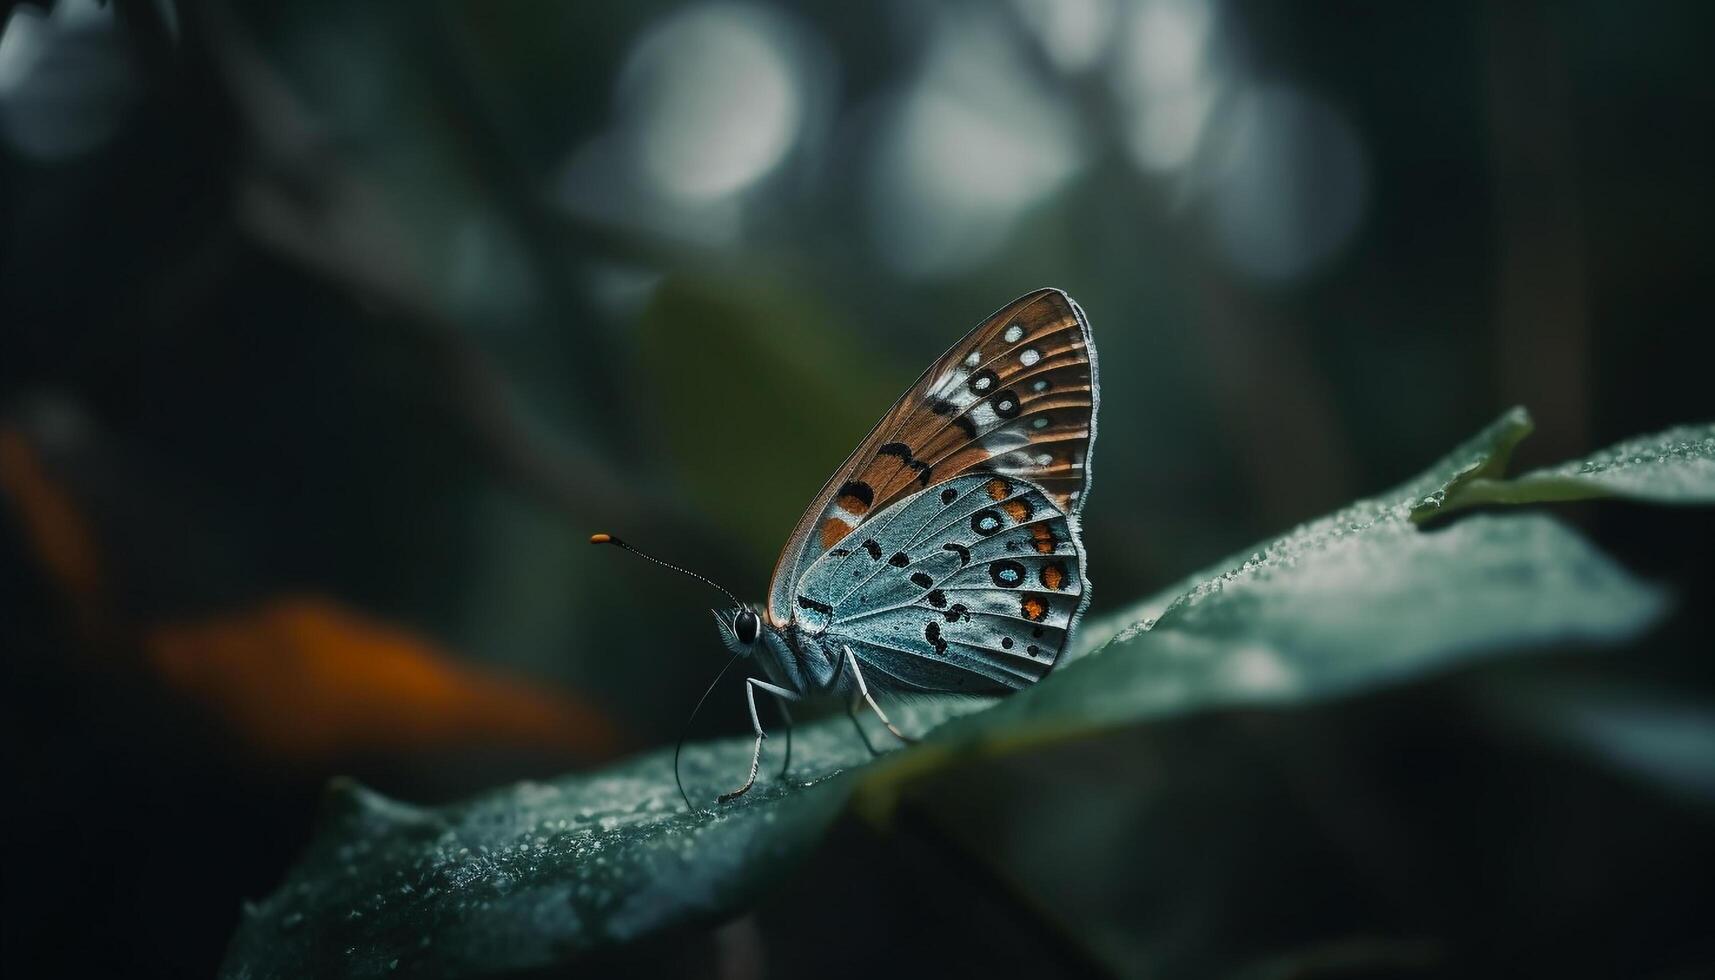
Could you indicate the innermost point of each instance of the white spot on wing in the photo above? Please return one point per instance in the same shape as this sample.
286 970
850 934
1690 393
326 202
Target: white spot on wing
1029 356
1013 333
959 397
974 359
950 381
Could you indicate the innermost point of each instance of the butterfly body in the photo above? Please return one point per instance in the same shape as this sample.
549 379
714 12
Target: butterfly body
943 556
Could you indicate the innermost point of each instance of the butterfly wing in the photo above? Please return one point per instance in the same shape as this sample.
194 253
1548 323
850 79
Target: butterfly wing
1016 396
970 586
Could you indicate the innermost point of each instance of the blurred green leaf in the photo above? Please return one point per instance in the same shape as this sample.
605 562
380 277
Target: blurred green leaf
720 352
534 873
1672 467
1651 732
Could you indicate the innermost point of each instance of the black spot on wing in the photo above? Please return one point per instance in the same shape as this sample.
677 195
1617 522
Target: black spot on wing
899 560
938 599
898 449
957 612
963 552
921 580
805 602
840 552
943 407
982 382
987 521
1005 404
949 495
873 549
932 633
1007 574
858 491
903 452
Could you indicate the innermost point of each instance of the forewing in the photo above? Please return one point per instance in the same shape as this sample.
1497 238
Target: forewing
970 586
1017 396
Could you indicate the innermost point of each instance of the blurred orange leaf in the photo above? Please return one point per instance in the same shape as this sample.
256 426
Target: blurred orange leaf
56 530
303 678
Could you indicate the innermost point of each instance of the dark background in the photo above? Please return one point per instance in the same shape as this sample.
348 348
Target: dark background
328 332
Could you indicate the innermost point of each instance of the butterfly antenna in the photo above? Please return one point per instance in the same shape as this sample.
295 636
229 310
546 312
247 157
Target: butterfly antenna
610 539
683 732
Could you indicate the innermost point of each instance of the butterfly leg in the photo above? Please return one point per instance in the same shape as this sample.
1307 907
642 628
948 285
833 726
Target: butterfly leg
851 712
787 764
851 707
863 689
750 686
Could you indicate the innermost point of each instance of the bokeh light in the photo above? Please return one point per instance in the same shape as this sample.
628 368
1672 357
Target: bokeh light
964 151
66 79
1165 77
1288 182
712 99
1075 34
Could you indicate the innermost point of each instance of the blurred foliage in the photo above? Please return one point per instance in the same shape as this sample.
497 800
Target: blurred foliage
328 333
536 873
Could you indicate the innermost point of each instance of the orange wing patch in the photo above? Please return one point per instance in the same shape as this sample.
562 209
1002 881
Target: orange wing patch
833 529
1042 536
1034 609
1053 576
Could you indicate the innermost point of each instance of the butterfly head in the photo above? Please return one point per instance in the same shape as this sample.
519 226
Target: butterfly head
740 628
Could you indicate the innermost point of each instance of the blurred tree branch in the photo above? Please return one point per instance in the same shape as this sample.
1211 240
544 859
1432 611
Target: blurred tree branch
300 200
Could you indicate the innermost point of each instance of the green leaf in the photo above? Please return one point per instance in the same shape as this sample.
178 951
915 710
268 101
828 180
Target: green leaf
532 874
1485 453
1672 467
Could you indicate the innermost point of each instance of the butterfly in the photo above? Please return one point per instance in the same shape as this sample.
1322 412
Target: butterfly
944 555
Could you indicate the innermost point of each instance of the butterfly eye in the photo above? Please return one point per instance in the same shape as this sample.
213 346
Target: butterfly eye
745 626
